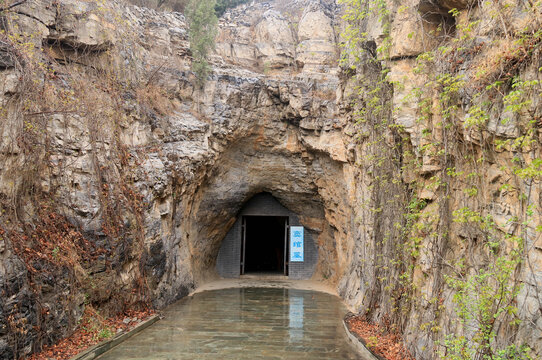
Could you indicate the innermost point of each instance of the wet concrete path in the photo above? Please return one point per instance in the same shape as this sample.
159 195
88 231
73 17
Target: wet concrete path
245 323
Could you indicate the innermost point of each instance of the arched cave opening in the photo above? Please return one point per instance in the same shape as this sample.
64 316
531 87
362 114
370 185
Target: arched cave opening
255 179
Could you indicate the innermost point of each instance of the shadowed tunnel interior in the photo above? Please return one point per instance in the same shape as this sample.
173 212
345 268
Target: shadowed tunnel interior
265 240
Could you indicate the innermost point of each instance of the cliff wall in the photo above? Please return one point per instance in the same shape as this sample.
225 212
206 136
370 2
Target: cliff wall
413 158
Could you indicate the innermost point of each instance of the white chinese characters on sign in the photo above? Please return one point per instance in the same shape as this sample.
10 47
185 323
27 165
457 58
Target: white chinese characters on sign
296 244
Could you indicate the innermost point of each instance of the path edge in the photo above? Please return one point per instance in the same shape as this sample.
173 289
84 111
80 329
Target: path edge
96 350
359 343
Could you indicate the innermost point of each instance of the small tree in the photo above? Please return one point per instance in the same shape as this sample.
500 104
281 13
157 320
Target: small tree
203 29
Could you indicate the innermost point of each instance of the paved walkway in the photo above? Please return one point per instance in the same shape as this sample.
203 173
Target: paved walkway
233 319
267 281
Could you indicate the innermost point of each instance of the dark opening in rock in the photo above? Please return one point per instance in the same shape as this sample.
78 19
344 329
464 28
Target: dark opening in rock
258 242
265 244
438 19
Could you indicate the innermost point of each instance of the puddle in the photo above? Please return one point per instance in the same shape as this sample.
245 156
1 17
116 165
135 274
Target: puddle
245 323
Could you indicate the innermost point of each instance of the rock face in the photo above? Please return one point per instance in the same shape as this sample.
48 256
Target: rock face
120 178
289 36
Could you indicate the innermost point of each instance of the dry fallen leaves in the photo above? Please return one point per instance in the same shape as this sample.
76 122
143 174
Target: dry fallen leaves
380 341
84 336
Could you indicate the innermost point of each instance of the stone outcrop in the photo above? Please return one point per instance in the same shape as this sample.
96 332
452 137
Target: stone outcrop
291 36
151 171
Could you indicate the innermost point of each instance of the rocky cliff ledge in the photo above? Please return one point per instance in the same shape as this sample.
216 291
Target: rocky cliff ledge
415 165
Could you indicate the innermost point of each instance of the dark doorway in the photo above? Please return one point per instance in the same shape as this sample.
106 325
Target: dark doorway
264 244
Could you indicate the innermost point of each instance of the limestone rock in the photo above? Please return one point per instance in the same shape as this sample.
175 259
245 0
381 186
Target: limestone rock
274 40
427 194
317 39
412 33
505 125
7 56
44 11
82 26
455 4
10 82
315 24
504 218
404 97
494 174
260 36
175 163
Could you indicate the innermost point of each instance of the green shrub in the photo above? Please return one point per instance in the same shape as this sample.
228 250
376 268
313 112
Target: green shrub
202 33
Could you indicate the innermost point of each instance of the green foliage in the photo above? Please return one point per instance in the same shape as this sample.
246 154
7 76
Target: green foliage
515 100
94 324
203 30
476 117
450 87
180 5
457 348
466 215
483 299
484 292
353 39
513 352
105 333
531 171
378 138
486 296
55 251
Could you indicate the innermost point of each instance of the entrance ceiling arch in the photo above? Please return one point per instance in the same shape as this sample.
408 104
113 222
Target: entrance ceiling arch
247 168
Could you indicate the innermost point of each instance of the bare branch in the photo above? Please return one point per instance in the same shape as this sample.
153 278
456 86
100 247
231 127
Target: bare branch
6 8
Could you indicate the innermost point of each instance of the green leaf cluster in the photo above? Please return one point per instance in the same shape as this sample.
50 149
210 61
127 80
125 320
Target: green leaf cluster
202 33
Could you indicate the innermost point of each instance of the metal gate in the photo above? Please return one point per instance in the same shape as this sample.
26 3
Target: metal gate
286 247
285 262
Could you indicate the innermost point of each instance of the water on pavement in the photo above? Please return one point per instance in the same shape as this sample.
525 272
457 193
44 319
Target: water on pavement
244 323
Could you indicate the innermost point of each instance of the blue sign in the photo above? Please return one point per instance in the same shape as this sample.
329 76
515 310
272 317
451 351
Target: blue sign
296 244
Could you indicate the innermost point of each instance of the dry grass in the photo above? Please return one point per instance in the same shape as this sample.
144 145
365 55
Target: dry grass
156 99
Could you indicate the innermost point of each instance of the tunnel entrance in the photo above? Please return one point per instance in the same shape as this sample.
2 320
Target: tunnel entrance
259 242
264 245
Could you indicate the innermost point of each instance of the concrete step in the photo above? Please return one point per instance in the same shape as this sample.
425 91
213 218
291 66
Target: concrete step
263 276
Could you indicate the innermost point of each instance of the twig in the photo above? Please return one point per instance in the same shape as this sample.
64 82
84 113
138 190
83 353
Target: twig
155 72
51 112
12 5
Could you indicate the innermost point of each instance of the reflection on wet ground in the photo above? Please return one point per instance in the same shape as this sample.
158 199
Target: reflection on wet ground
245 323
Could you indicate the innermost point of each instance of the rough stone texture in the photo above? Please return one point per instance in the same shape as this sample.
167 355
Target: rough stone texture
273 117
81 25
292 36
274 41
412 31
317 38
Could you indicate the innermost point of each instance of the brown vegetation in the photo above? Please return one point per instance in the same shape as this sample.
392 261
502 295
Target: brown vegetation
92 330
381 340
